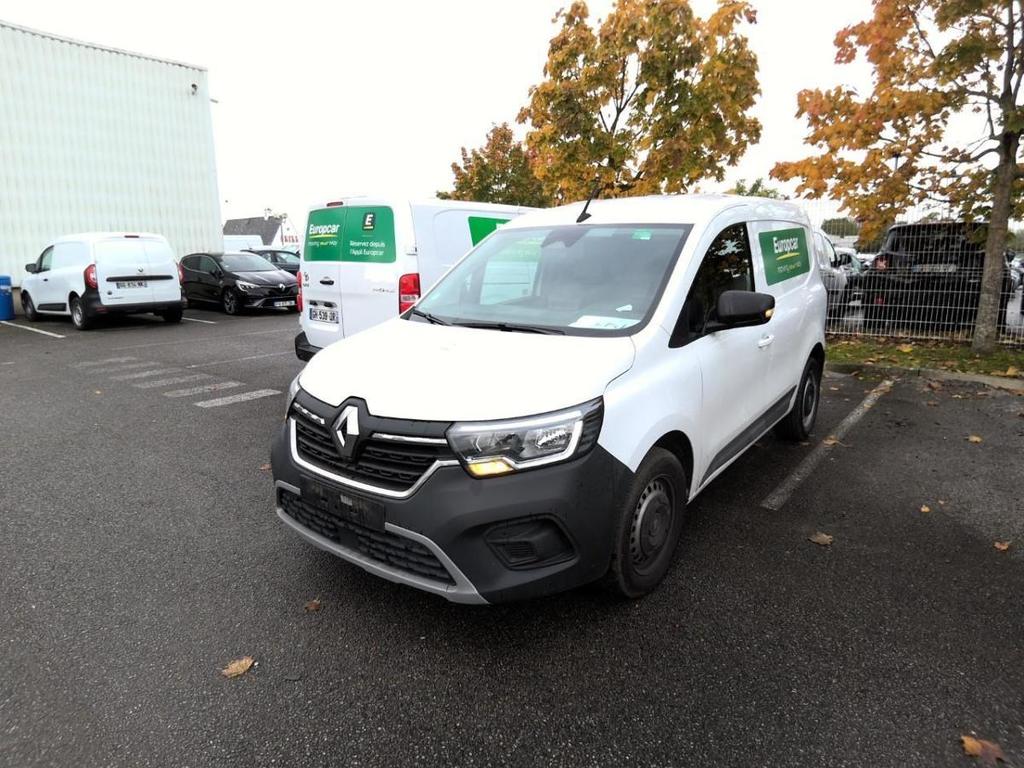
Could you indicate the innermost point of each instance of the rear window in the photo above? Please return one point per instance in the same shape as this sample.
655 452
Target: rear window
127 252
358 233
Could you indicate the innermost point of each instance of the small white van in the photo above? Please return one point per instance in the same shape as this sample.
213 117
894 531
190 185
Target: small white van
541 418
366 259
99 274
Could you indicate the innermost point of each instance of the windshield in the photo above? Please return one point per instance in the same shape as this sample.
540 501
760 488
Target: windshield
578 279
286 257
246 262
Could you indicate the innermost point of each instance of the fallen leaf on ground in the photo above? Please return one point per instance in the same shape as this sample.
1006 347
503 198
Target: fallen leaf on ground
942 502
264 467
932 403
1002 546
905 348
974 439
313 605
98 392
988 751
834 389
821 539
237 667
925 508
1012 371
933 385
831 440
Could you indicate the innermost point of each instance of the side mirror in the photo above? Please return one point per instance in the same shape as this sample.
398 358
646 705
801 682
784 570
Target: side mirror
32 268
740 309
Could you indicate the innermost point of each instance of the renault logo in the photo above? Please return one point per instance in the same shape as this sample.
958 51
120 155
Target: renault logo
346 430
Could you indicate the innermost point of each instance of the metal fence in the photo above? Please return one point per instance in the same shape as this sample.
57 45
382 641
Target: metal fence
922 281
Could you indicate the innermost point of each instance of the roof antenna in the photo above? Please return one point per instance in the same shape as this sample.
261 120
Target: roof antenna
593 193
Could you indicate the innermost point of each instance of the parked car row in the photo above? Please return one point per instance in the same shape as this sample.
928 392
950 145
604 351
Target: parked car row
105 274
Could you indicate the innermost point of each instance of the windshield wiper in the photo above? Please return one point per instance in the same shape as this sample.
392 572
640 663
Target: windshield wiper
515 327
434 319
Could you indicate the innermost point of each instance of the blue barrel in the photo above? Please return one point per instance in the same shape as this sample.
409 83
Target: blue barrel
6 298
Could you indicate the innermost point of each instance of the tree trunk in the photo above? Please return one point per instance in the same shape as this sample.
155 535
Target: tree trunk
986 328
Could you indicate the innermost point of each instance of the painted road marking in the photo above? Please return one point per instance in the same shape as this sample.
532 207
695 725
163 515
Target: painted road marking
197 320
240 359
169 382
119 368
91 363
208 338
145 374
34 330
241 397
777 498
215 387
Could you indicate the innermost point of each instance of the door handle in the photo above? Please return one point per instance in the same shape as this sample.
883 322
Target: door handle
326 281
765 340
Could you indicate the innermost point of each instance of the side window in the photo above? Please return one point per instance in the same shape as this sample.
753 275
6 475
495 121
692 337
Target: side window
189 262
727 266
206 264
46 260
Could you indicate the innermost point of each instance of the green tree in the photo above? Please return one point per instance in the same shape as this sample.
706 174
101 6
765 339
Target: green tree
840 227
498 172
757 188
882 152
655 99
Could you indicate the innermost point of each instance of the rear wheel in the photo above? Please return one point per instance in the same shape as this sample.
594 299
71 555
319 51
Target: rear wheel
229 301
799 422
28 307
79 317
172 315
649 525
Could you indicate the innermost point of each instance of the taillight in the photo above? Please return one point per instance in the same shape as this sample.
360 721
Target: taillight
90 277
181 275
408 291
298 298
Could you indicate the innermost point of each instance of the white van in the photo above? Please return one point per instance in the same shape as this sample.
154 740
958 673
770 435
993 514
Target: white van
542 416
366 259
98 274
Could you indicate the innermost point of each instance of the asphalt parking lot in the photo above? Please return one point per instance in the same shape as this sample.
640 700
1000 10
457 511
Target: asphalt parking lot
140 554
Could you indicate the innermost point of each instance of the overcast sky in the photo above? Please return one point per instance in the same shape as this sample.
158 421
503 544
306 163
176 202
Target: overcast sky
322 99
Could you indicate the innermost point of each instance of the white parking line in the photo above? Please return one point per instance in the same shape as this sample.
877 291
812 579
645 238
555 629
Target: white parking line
239 398
240 359
9 362
197 320
781 494
120 368
169 382
215 387
91 363
145 374
34 330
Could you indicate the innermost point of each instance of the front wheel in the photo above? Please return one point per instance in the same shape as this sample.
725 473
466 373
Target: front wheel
649 526
28 307
799 422
229 301
78 316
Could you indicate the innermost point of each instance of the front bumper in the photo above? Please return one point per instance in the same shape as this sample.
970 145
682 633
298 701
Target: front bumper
456 536
303 349
255 301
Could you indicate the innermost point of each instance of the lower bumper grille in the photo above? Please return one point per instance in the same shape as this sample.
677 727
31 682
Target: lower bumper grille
386 548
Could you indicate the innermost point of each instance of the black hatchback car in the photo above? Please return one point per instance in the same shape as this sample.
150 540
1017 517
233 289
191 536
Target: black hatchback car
238 281
927 275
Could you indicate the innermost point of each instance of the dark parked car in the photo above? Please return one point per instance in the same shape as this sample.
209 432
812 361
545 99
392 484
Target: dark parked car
238 281
927 275
279 257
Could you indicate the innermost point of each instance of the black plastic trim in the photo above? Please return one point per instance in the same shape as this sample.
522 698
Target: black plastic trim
748 436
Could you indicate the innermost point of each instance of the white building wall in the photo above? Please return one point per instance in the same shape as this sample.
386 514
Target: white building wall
94 139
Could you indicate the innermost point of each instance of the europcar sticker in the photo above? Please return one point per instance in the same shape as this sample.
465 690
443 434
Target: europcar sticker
358 233
785 254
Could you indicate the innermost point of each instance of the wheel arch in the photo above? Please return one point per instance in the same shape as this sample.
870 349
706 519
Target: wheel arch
677 443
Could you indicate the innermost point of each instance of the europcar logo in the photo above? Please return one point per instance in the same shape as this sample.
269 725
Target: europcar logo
323 230
369 221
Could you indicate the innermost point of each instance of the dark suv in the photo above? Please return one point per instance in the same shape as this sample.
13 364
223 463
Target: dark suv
927 275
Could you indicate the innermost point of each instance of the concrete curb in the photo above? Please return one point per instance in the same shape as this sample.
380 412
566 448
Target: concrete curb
997 382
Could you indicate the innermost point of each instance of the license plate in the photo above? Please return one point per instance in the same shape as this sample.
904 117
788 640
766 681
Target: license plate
938 269
130 284
284 303
323 315
354 509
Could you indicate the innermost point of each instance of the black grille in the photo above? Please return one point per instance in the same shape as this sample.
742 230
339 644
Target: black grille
386 464
385 548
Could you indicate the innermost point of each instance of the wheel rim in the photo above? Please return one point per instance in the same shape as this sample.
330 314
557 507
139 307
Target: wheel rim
652 523
229 302
76 313
809 401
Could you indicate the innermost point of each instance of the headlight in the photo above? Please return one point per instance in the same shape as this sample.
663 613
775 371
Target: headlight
244 286
500 447
293 389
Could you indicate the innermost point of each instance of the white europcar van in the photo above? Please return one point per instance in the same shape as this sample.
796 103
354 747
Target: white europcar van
366 259
542 416
99 274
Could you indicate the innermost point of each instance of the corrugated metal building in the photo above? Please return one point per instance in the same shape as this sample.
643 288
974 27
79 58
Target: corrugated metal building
98 139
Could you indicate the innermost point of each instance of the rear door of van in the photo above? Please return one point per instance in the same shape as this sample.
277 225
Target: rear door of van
163 270
320 276
445 236
122 271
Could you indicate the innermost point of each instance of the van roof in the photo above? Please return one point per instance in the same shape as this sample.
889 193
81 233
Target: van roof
92 237
698 210
430 202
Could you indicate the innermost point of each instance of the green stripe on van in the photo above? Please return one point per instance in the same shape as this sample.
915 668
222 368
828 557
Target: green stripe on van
359 233
481 226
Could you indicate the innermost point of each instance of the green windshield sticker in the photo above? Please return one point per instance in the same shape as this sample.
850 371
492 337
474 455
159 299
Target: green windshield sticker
359 233
481 226
785 254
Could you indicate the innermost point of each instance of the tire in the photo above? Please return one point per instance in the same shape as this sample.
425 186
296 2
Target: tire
644 545
79 317
229 302
799 422
28 307
172 315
